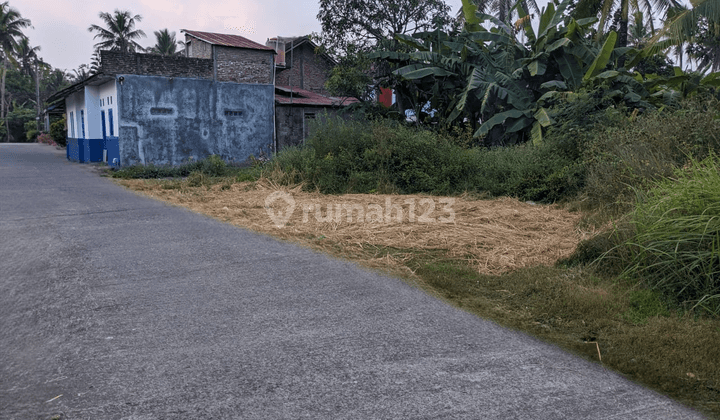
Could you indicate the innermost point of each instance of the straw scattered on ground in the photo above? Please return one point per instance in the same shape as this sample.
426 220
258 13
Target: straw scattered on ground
497 236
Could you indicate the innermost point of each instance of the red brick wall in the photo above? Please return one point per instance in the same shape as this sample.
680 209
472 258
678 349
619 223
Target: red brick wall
309 71
241 65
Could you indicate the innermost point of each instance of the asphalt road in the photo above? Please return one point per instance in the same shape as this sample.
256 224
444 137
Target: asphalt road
116 306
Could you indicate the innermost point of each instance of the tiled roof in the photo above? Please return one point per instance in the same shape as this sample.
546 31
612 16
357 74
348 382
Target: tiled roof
305 97
227 40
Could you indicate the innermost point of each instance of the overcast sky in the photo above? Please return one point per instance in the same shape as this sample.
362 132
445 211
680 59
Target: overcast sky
60 26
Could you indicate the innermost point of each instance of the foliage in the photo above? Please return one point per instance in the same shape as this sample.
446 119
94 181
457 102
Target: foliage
212 166
46 138
58 131
31 131
368 23
386 156
165 43
351 77
705 45
630 154
676 249
120 33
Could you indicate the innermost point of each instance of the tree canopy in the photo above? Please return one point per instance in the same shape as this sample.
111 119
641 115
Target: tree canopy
120 33
368 23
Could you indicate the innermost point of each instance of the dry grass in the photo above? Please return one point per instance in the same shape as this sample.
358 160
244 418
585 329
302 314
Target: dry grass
496 236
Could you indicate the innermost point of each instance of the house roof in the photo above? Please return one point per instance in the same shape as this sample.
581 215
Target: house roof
227 40
56 102
293 42
305 97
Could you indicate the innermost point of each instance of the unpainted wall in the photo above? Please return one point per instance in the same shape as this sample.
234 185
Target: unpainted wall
168 120
243 65
294 123
307 70
114 62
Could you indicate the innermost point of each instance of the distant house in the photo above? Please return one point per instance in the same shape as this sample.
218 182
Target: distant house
300 94
143 108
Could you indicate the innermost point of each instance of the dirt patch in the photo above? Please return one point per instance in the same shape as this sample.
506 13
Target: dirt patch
497 236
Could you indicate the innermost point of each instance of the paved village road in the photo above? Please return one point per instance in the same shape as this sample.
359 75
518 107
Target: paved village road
116 306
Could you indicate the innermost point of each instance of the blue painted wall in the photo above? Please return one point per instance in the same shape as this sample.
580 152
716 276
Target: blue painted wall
167 120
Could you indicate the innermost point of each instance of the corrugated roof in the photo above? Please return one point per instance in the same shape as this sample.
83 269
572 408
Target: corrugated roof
227 40
306 97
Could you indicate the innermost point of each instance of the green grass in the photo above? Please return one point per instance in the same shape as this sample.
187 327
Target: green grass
206 171
676 246
638 335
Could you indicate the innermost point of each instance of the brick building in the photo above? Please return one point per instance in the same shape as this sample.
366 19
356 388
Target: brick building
235 59
300 94
303 66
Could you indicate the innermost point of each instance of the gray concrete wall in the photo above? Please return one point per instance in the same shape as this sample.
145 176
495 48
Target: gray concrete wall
167 120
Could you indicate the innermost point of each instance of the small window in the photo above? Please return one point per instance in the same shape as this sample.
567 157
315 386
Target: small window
233 113
82 122
102 102
111 100
161 111
309 116
72 125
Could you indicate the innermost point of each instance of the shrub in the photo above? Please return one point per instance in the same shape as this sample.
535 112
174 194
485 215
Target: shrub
386 156
628 154
46 138
58 131
676 248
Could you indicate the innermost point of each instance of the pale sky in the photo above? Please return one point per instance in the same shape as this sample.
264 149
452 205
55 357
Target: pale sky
60 26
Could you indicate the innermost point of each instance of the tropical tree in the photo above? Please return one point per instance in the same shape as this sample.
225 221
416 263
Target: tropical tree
11 25
120 33
26 56
606 9
165 43
369 23
81 73
705 45
504 10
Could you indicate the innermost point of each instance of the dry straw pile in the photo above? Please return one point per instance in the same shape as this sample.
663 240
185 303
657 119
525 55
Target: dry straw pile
496 235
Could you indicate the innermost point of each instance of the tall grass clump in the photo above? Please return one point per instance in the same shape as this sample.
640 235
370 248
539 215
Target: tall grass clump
676 247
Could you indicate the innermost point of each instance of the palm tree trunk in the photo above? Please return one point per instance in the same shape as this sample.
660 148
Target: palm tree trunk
623 30
3 111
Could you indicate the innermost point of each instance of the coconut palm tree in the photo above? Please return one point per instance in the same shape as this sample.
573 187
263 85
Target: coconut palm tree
11 25
682 25
504 10
81 73
165 43
120 34
606 9
26 56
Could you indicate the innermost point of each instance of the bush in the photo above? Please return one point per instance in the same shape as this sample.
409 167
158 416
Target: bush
212 166
676 248
626 154
46 138
386 156
58 131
